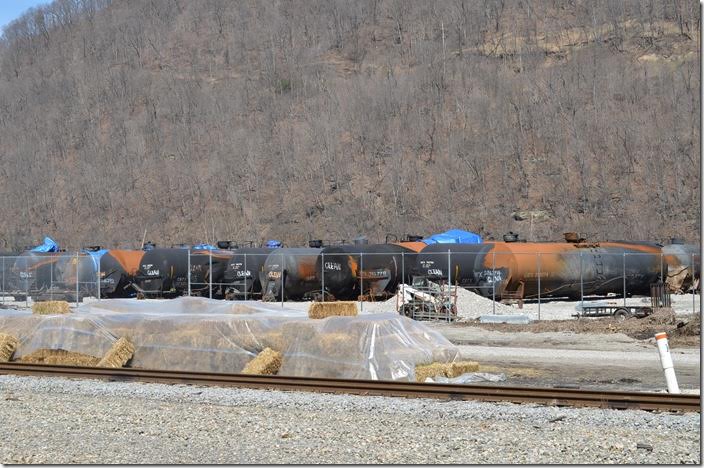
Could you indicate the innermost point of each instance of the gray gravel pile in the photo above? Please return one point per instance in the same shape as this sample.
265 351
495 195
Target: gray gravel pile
50 420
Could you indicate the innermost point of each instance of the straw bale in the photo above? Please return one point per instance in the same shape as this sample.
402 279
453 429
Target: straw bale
458 368
299 330
8 345
61 357
118 355
338 344
435 369
445 369
320 310
50 307
275 340
268 362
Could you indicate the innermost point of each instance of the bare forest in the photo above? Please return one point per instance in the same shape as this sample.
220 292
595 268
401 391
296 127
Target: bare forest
248 120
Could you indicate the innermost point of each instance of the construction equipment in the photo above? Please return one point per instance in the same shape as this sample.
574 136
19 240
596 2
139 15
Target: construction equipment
425 300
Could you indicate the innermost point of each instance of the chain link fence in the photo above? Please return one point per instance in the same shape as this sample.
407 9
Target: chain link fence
312 274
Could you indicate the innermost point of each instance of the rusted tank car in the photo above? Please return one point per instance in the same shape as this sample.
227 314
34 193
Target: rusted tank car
558 269
241 276
371 270
291 271
683 266
164 271
118 269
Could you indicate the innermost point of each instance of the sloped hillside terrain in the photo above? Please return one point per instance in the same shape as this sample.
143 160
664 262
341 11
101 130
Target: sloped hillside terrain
214 119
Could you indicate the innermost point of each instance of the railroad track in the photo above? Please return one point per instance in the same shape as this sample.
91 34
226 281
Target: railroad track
546 396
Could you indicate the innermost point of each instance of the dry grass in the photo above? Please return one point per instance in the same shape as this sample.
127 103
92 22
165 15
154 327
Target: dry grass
321 310
268 362
50 307
8 345
445 369
60 357
118 355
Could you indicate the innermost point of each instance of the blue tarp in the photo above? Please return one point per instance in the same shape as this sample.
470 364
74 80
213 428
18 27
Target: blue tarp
204 247
48 246
273 244
454 236
95 255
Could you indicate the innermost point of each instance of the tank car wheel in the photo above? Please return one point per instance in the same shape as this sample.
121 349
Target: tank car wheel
622 314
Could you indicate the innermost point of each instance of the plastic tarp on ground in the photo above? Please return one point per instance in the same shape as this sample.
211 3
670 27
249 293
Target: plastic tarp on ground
49 245
198 334
454 236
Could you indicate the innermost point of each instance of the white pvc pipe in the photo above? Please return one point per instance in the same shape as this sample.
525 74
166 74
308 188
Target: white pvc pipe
666 361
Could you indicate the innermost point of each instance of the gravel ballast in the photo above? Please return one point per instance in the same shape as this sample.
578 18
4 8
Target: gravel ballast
53 420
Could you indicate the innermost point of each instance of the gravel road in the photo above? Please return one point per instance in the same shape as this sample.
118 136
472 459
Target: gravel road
51 420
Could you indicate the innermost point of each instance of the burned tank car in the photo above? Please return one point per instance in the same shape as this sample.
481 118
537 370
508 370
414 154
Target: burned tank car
78 276
36 272
465 261
682 266
291 271
348 271
565 269
241 275
118 269
7 261
164 271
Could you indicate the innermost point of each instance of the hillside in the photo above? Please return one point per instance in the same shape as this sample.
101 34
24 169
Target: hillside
205 120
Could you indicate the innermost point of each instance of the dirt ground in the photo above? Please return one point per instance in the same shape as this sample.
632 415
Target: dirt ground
683 331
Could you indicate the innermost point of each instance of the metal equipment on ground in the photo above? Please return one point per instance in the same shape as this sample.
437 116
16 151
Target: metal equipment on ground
425 300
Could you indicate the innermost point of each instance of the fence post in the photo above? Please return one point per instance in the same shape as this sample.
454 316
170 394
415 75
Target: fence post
51 279
3 280
493 283
624 279
694 300
403 275
281 280
99 278
210 274
77 291
581 282
322 274
361 281
539 285
662 280
189 272
449 271
27 275
246 275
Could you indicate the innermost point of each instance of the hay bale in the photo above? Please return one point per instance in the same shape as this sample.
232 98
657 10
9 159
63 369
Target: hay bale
50 307
338 344
60 357
434 369
8 345
274 340
118 355
321 310
458 368
445 369
268 362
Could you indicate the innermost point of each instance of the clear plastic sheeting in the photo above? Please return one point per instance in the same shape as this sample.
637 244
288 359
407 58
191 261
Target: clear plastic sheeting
469 377
198 334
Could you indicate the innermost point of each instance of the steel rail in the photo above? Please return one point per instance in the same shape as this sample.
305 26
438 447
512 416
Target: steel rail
545 396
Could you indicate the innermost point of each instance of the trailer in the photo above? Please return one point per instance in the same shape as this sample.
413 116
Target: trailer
621 312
